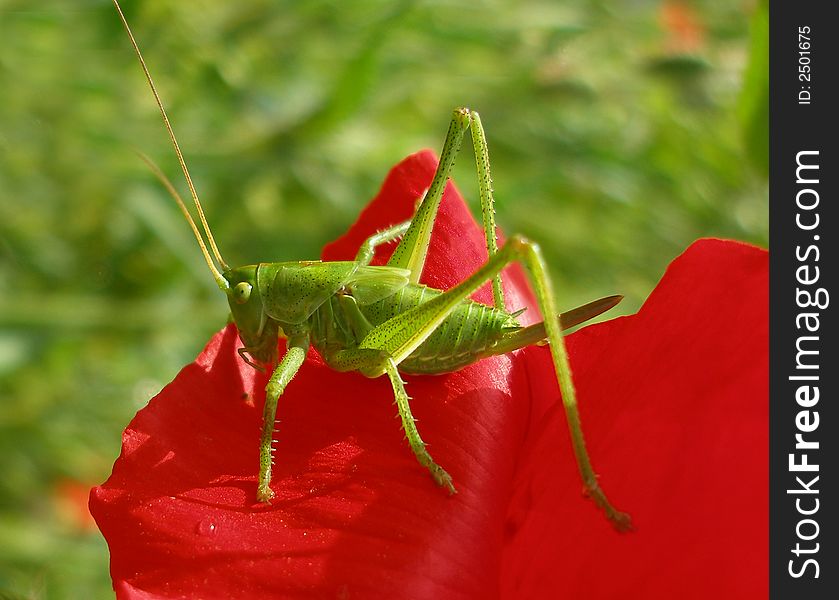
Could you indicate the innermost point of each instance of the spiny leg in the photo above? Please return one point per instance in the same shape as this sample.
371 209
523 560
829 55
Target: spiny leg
409 426
401 335
530 255
479 143
412 250
373 363
285 371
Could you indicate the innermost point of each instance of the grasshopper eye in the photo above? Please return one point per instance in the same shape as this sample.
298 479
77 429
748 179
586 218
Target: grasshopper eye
242 292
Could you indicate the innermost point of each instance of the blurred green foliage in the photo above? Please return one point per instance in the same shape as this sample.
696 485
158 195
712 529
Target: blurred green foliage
619 132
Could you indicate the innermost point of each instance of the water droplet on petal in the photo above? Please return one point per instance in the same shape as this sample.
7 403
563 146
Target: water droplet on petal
205 527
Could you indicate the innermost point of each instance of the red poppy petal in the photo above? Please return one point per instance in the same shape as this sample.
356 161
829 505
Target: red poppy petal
355 513
674 404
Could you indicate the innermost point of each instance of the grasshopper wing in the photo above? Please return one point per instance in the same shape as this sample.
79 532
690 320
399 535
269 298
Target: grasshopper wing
369 284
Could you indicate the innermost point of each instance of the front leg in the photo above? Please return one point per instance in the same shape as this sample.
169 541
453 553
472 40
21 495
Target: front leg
298 346
368 248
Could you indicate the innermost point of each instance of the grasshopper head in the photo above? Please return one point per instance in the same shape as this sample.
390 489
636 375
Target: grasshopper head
257 332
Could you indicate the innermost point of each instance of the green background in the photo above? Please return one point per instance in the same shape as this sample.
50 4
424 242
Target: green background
619 132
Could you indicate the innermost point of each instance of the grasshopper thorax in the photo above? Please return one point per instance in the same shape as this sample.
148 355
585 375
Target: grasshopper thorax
270 299
292 291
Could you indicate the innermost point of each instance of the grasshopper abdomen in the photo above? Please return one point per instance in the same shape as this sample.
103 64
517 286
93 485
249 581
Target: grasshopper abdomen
466 335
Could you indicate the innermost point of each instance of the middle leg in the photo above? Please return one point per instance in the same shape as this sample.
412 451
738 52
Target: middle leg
410 428
368 247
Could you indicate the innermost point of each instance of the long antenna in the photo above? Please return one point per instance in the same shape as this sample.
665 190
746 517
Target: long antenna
220 280
174 140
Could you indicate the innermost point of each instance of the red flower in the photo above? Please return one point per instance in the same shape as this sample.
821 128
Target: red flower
673 401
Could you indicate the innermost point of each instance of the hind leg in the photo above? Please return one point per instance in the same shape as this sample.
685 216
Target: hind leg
412 250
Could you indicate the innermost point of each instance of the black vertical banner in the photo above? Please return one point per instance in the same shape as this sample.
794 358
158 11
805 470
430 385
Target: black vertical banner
804 560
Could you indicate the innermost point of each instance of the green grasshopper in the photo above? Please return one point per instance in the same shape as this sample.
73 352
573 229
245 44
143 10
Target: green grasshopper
379 320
